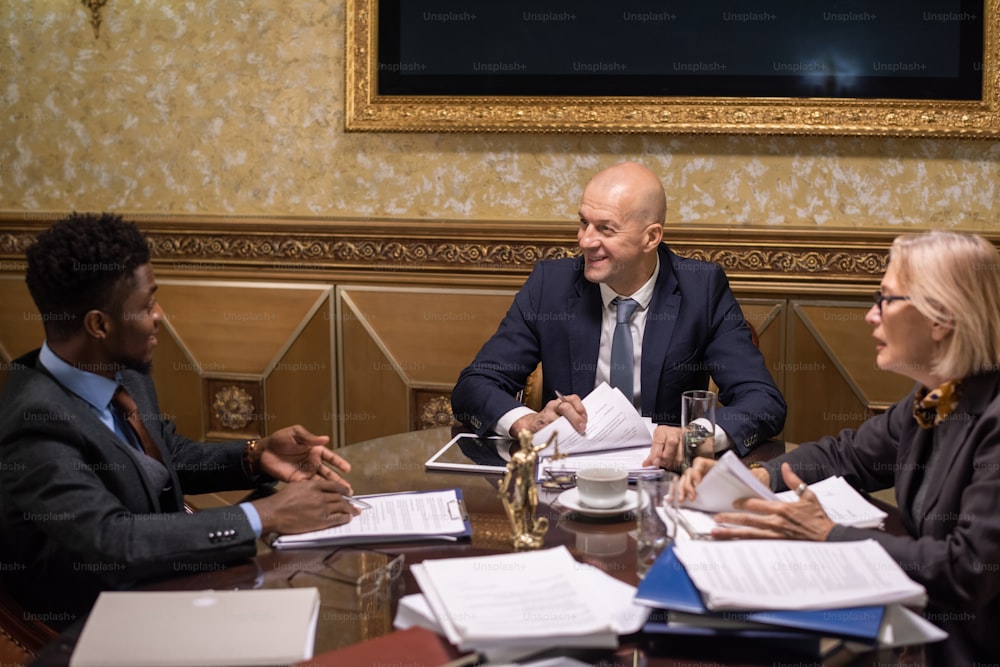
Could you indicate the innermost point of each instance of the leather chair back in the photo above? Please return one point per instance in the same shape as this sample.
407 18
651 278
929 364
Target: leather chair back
21 636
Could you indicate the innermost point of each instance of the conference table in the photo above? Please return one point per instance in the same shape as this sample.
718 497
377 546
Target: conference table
364 607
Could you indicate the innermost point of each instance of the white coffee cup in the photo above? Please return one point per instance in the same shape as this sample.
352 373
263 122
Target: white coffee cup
601 488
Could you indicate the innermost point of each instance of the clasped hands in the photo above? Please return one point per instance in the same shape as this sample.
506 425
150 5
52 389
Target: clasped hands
313 497
804 519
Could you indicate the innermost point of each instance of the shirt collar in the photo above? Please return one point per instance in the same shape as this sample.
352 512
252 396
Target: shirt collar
95 389
643 295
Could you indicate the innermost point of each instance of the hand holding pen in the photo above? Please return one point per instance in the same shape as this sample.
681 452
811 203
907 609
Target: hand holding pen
569 406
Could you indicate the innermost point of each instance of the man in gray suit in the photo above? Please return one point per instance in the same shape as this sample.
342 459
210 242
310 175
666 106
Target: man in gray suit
92 475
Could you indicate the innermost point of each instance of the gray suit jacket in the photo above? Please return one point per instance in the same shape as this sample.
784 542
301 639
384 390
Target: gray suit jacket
953 549
78 514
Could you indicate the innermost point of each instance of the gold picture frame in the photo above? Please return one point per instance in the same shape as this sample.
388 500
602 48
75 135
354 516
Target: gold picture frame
367 111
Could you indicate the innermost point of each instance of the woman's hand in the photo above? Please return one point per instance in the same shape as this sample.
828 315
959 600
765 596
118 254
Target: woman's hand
773 519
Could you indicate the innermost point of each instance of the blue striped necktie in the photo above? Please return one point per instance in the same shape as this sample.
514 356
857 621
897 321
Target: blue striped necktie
621 347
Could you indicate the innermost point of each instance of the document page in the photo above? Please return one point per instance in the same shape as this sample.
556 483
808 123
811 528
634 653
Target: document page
728 481
432 513
612 423
513 598
780 574
842 503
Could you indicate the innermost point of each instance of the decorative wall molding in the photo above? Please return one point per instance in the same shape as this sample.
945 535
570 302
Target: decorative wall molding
497 253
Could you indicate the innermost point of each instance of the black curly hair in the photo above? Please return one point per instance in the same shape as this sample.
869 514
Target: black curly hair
75 265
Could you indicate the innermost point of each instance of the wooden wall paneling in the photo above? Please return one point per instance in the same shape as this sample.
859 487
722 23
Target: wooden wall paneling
234 333
178 383
820 402
20 323
374 398
768 318
237 326
299 386
426 337
836 382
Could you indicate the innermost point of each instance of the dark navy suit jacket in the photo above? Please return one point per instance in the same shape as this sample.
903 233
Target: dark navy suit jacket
694 329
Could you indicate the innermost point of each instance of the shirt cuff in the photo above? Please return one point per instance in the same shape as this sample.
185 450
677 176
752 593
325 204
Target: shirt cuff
502 427
253 517
721 437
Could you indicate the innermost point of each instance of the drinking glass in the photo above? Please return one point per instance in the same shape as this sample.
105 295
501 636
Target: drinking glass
698 424
656 518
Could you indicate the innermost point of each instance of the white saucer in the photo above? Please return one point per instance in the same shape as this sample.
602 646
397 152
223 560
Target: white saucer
570 499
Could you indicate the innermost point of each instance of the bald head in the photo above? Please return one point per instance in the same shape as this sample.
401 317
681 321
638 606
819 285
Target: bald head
636 190
621 226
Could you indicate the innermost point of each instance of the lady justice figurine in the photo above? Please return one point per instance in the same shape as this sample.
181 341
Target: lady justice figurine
519 494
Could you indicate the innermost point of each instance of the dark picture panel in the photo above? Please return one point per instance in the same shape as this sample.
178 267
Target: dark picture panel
899 49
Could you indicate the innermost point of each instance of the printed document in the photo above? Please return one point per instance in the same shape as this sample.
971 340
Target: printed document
730 480
393 517
530 599
612 423
786 574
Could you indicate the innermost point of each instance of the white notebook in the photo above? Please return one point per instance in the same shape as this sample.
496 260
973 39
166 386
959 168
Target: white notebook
187 628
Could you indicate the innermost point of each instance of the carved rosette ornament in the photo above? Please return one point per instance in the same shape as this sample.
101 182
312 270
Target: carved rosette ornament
436 412
233 407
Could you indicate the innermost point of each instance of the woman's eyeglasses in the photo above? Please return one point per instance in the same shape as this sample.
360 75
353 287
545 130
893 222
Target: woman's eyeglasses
882 298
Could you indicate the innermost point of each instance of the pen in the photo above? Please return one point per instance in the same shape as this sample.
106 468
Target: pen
357 503
559 395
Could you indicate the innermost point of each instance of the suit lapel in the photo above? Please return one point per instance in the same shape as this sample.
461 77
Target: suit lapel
96 431
955 433
661 319
908 481
585 338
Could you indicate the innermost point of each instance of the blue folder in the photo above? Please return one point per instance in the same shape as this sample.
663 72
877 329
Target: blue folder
667 586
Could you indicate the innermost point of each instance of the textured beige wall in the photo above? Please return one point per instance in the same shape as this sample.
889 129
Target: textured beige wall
236 107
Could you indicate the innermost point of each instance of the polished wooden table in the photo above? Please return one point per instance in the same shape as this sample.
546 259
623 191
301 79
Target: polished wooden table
351 613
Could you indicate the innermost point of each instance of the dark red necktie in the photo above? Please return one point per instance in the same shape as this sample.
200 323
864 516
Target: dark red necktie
130 411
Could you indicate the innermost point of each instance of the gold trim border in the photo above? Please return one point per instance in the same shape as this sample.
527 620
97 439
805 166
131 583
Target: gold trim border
367 111
485 253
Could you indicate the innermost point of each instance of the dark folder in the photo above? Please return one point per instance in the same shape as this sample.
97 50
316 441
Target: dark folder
667 586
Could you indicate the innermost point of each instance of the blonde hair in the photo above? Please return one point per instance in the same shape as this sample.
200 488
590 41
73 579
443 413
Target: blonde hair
954 279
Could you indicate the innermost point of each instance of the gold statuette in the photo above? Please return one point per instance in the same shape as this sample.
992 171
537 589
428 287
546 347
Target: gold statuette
519 495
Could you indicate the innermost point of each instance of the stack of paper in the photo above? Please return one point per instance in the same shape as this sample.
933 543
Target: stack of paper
617 436
771 589
730 480
510 605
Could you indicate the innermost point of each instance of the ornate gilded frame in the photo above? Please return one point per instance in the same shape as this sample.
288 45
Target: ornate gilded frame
367 111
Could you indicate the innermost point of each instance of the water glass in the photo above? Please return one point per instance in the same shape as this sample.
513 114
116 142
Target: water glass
698 424
656 518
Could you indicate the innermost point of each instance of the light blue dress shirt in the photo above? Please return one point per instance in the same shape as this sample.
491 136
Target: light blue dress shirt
97 391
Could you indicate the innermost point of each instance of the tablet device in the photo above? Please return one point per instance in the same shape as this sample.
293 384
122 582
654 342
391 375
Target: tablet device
469 452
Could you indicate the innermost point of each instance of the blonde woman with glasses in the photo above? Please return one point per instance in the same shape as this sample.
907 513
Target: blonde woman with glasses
936 319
